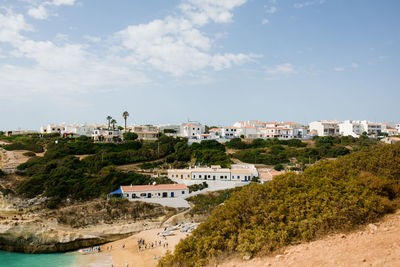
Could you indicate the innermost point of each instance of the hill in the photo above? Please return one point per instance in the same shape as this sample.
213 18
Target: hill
330 196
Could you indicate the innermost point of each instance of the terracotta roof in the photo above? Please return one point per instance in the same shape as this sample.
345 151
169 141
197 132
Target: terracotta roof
130 188
289 123
191 124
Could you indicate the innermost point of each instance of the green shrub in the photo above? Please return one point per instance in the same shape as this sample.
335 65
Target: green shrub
29 154
329 196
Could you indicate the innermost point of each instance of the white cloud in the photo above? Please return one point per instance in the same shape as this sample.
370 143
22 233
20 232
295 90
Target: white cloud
39 12
201 12
308 3
63 2
42 10
265 21
354 65
338 69
282 69
176 45
270 9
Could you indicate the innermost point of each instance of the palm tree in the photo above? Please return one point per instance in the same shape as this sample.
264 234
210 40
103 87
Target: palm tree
113 122
125 115
109 118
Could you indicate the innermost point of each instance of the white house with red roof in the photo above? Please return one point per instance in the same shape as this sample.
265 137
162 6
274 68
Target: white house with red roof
132 192
398 127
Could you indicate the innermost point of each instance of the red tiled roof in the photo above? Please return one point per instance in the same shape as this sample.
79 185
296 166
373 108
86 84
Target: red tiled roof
132 188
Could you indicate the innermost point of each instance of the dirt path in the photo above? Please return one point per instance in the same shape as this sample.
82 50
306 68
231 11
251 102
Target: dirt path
374 245
135 166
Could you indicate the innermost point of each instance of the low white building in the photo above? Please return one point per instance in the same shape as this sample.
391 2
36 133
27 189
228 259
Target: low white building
191 130
370 128
238 172
170 129
146 132
324 128
398 127
350 128
52 128
154 191
79 130
229 132
107 135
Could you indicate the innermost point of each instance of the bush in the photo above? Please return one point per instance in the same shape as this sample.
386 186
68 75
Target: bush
279 167
29 154
130 136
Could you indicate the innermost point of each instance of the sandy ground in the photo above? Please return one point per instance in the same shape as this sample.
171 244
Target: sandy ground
130 253
11 159
374 245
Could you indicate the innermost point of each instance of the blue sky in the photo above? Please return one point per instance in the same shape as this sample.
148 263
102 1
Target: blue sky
211 61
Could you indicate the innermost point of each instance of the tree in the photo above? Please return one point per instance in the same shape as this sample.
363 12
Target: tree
130 136
125 115
113 122
109 118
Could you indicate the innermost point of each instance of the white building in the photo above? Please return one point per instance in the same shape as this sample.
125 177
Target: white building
229 132
370 128
146 132
324 128
154 191
170 129
52 128
79 130
398 127
191 130
238 172
350 128
107 135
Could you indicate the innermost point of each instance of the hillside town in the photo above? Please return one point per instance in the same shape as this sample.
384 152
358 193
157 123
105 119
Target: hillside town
196 131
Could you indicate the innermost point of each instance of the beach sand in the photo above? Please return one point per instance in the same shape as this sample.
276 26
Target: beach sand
130 253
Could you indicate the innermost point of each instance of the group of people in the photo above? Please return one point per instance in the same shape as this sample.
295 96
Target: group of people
142 245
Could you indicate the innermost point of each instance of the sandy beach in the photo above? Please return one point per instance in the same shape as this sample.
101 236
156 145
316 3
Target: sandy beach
125 252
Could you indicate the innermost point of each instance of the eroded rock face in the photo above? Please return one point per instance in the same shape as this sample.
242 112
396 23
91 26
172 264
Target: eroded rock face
38 230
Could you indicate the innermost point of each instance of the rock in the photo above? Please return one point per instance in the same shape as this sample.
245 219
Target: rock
343 236
278 256
246 257
372 227
364 260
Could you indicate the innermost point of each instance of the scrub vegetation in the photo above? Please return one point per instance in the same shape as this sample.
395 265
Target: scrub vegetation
330 196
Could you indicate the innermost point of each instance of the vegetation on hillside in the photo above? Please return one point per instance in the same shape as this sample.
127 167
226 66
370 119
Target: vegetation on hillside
329 196
205 203
274 151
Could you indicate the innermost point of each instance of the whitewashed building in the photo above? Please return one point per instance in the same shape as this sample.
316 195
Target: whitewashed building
229 132
107 135
398 127
350 128
52 128
370 128
238 172
324 128
132 192
191 130
146 132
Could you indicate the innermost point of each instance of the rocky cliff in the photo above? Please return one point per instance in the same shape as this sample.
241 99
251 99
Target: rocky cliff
25 226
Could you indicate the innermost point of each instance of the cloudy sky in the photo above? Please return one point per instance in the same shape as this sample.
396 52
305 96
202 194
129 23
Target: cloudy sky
213 61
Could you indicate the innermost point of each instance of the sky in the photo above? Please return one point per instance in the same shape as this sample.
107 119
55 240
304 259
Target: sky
212 61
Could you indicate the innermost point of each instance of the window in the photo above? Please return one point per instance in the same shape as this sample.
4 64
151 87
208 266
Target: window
233 177
199 176
127 195
143 194
183 192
